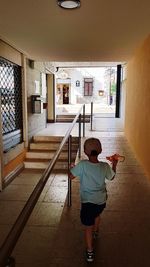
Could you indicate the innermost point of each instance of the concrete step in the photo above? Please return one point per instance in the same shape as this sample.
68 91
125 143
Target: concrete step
71 115
47 155
43 165
42 150
50 146
53 139
69 118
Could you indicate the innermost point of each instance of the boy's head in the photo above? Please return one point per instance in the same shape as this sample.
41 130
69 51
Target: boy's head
92 147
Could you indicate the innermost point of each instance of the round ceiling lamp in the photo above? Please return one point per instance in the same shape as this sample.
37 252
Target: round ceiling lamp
69 4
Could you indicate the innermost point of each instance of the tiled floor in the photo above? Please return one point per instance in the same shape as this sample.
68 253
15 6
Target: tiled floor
53 236
100 127
103 109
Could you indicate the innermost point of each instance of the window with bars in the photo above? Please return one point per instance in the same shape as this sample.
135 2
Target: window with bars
11 102
88 87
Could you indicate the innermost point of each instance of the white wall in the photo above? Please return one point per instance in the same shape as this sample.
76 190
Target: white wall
35 76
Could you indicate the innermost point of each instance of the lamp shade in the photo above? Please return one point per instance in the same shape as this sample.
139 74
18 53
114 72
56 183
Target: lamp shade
69 4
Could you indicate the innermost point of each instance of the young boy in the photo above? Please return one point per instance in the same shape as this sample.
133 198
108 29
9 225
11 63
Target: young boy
92 174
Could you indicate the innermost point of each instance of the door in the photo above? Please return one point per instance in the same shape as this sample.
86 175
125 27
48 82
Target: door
65 94
118 88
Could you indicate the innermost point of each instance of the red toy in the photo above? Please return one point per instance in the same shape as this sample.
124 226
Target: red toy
116 157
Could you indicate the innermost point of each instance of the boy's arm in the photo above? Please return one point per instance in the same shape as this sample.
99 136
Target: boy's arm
75 170
114 165
71 176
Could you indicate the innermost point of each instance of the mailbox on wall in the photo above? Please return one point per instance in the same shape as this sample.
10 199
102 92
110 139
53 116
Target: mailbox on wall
36 104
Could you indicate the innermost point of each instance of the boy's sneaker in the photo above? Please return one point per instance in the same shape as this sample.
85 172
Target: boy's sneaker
89 256
95 234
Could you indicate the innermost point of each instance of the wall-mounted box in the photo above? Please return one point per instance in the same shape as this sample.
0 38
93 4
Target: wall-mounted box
36 104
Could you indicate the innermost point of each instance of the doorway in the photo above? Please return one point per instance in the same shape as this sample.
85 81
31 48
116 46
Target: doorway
65 94
62 94
98 85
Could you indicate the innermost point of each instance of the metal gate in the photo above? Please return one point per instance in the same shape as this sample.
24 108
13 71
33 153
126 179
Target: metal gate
11 103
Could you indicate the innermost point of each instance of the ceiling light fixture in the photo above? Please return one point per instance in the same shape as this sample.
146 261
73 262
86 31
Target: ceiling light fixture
63 75
69 4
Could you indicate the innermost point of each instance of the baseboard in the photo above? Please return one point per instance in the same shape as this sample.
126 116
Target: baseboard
50 121
11 176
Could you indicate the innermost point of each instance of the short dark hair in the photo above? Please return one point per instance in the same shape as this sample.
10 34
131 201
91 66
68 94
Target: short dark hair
92 144
94 153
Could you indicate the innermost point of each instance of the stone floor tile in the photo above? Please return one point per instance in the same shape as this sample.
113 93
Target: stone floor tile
17 192
10 211
46 214
4 230
56 194
27 177
60 180
35 246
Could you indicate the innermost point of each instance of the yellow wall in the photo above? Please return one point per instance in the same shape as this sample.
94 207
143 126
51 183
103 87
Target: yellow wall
137 121
50 91
13 164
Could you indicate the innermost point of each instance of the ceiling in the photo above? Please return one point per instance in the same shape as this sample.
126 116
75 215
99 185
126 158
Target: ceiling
98 31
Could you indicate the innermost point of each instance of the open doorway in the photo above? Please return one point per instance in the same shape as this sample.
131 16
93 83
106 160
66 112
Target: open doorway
86 85
65 94
62 94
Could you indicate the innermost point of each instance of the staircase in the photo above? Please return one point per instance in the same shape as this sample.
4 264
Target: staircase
43 148
70 118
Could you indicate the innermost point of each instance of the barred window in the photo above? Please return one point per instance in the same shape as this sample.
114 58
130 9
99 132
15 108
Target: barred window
11 100
88 87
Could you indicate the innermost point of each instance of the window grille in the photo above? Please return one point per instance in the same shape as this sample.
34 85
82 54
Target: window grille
11 99
88 87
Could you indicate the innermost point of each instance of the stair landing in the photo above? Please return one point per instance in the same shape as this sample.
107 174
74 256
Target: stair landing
58 129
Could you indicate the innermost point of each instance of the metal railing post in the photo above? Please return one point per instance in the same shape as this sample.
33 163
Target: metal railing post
69 163
80 136
10 262
84 120
91 116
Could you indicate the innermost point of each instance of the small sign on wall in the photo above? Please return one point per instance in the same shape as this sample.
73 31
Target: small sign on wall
37 87
43 85
77 83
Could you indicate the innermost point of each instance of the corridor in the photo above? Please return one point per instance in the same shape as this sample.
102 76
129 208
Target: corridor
53 236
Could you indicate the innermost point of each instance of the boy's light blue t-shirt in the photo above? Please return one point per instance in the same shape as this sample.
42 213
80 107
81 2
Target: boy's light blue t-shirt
92 180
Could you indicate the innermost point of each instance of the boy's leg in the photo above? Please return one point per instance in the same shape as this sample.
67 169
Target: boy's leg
89 237
96 224
98 218
89 243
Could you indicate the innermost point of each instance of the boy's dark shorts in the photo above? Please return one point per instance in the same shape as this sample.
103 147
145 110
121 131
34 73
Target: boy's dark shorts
89 211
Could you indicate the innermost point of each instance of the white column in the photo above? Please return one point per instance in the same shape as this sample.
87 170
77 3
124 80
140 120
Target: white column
24 102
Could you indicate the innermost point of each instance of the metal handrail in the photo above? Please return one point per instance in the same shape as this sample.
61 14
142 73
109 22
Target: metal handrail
14 234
